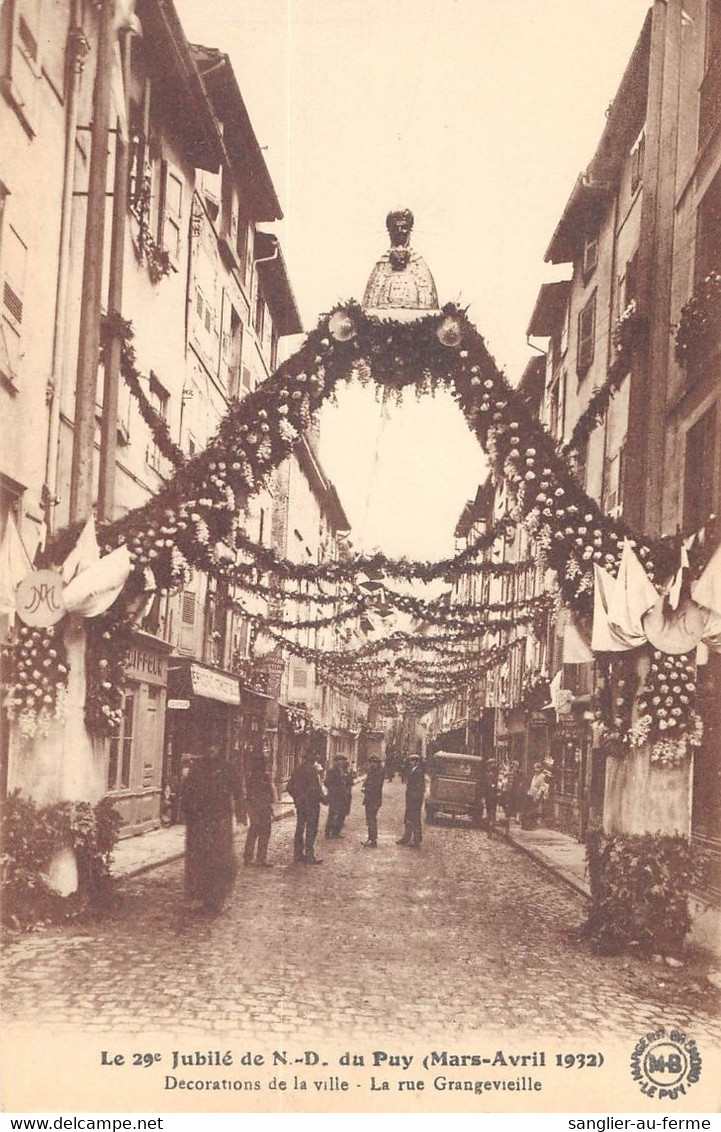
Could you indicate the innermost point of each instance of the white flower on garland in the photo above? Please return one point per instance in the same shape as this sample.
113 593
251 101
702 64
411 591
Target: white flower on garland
637 735
179 567
202 531
264 451
669 752
287 433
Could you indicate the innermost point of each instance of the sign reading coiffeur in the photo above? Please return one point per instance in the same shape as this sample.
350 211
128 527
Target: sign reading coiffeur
39 599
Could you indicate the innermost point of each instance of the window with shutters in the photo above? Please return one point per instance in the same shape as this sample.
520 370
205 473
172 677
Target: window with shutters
708 231
20 83
188 610
590 254
231 349
259 316
613 482
13 267
187 621
170 215
159 399
300 678
698 479
638 154
557 405
710 92
586 337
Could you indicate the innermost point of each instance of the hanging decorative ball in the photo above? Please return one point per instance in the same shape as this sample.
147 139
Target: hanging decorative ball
341 326
449 332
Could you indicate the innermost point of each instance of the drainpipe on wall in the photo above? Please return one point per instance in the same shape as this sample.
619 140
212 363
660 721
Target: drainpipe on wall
81 482
77 52
111 382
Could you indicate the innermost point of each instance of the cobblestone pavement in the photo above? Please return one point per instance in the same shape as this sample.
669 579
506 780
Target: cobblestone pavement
464 935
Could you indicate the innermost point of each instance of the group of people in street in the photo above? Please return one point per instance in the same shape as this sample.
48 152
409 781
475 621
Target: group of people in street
214 799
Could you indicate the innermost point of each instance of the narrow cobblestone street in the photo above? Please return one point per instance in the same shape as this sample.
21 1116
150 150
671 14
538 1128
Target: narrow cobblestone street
464 934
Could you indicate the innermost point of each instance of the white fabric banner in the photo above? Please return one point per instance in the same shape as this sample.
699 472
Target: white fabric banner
632 595
84 555
95 590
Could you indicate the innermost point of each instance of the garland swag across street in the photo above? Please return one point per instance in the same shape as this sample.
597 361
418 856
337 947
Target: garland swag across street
196 512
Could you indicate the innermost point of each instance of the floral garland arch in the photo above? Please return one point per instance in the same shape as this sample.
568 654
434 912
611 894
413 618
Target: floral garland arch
192 520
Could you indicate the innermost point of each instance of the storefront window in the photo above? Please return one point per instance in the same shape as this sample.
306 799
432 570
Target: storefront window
121 748
568 765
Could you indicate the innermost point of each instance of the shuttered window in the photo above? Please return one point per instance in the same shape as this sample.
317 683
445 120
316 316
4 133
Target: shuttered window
22 72
188 612
13 262
586 336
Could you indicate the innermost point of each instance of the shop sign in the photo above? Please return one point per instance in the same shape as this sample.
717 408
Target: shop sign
539 719
567 725
149 667
178 705
214 685
564 700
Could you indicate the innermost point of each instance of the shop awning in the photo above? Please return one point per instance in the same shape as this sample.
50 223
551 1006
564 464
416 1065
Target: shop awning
192 678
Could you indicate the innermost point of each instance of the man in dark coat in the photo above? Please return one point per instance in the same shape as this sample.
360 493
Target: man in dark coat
259 807
304 787
373 799
415 789
348 779
335 788
211 800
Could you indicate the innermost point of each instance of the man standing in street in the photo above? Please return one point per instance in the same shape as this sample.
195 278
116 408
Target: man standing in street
211 801
415 789
305 789
335 787
373 799
348 778
259 807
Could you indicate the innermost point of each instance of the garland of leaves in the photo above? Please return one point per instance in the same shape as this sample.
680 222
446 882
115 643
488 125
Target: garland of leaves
699 319
109 638
662 704
147 248
32 835
347 570
639 891
114 326
628 332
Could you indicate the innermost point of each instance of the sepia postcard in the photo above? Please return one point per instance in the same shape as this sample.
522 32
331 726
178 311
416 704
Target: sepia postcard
360 581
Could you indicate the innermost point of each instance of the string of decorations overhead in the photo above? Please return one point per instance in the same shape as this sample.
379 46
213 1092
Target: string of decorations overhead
377 564
197 508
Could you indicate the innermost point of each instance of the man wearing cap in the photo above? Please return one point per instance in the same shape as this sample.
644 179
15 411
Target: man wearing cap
415 789
373 799
335 788
304 787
